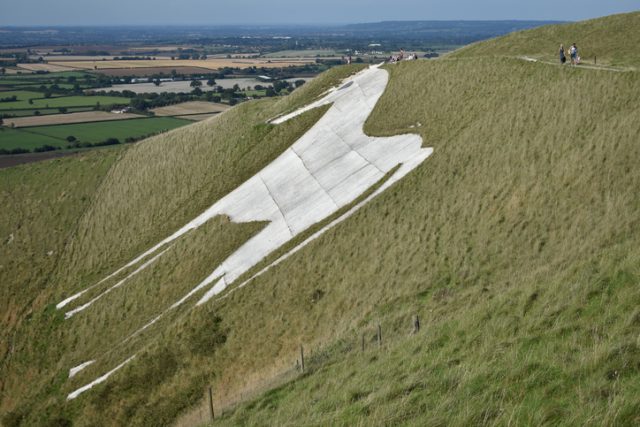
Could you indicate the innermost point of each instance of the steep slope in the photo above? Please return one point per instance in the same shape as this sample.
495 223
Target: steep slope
612 40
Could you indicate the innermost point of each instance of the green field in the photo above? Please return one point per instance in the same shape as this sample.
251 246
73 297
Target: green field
22 95
306 53
43 111
64 101
46 76
55 135
16 138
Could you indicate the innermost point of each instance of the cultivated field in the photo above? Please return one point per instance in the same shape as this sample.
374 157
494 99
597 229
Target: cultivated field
63 58
64 101
193 107
30 138
99 131
185 85
149 71
42 111
58 119
16 138
52 68
310 53
211 64
21 95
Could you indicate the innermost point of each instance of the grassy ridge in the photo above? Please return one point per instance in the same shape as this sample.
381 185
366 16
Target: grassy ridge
613 40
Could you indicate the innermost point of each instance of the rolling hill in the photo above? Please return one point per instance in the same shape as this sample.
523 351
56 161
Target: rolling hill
611 40
515 243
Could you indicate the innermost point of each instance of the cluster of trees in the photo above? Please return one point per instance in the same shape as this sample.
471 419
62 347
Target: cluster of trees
190 56
14 151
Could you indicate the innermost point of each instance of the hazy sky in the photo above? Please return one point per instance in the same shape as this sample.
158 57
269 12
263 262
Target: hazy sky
215 12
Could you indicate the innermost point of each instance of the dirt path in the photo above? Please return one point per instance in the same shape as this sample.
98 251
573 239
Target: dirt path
581 66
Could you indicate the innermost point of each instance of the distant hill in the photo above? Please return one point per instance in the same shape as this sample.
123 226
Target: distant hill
613 40
444 32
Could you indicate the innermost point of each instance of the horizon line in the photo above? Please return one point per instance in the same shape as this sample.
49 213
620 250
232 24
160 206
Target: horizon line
326 24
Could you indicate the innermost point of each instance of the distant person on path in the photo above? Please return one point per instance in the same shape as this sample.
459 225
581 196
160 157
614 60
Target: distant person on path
574 54
563 58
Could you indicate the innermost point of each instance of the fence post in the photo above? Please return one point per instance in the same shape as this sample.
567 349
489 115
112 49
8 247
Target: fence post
379 336
302 358
416 324
211 403
595 60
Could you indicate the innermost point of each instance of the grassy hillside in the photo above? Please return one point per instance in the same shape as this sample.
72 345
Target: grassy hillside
71 221
614 40
516 243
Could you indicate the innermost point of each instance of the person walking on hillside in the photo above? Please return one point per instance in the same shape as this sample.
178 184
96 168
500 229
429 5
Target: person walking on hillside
563 58
574 54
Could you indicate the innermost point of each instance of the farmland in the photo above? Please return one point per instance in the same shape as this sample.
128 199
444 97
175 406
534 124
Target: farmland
40 111
64 101
52 68
14 138
99 131
150 71
59 119
210 64
30 138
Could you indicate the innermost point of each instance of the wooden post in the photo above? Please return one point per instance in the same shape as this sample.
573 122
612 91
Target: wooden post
302 358
363 343
416 324
379 336
595 60
211 402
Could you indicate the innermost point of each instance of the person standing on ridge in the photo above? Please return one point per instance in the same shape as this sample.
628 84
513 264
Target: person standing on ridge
563 58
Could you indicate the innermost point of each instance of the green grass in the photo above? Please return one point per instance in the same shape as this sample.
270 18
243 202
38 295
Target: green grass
16 138
99 131
254 93
22 95
56 135
64 101
516 243
612 39
44 111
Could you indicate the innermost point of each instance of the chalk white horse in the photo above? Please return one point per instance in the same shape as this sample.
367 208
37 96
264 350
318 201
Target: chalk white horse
326 169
